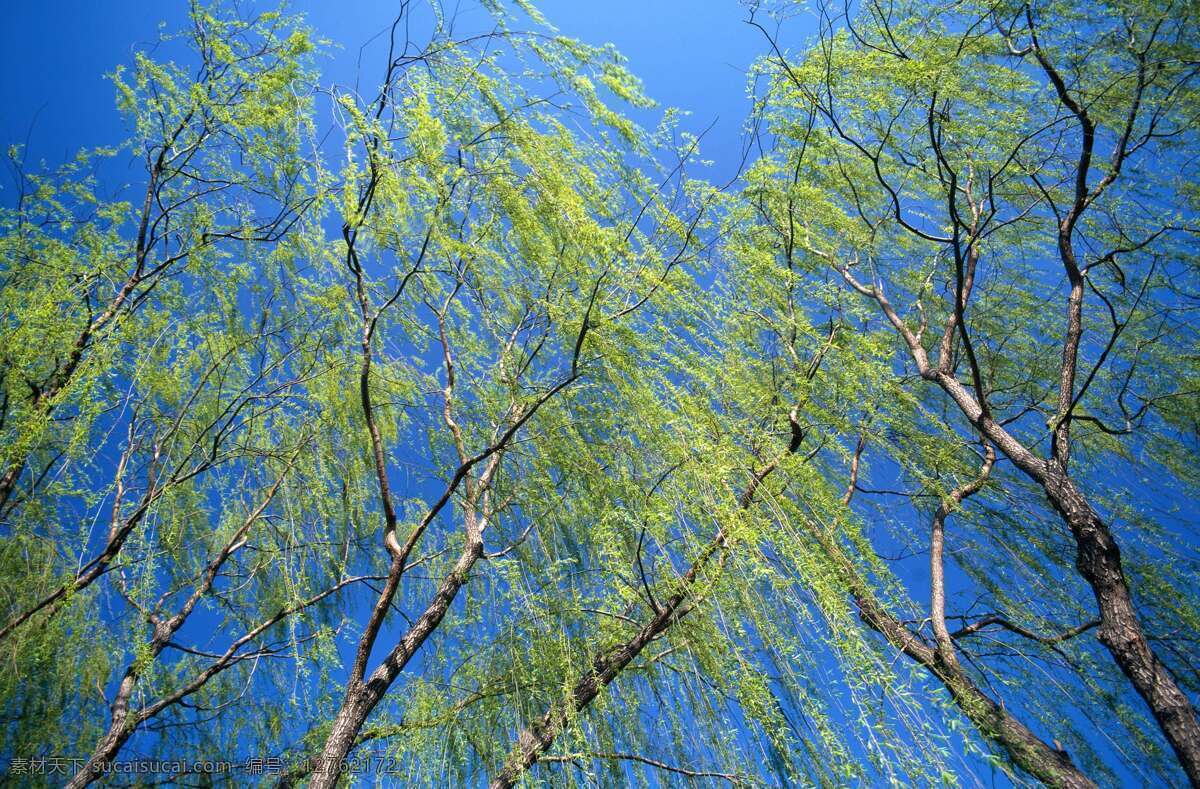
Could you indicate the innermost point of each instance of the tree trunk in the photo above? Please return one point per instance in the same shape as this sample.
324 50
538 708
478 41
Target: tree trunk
120 729
362 697
1099 561
328 766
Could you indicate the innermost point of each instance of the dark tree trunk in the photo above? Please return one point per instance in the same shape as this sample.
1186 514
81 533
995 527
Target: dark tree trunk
1099 561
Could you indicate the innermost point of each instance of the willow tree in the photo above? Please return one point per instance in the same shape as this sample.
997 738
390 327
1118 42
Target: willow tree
477 438
499 244
602 455
155 449
219 150
968 169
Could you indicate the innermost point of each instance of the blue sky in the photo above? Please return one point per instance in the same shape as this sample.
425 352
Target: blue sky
55 53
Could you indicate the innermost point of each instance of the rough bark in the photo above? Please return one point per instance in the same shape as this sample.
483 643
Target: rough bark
1098 560
120 729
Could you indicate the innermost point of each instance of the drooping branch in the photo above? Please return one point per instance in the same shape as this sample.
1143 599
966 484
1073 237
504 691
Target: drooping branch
537 736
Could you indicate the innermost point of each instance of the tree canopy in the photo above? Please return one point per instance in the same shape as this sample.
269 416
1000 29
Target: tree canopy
459 428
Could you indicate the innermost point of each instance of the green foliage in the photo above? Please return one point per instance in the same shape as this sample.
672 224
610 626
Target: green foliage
223 391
